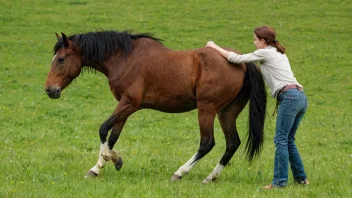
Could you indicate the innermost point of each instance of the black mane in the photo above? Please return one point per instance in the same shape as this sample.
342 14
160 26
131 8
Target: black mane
97 46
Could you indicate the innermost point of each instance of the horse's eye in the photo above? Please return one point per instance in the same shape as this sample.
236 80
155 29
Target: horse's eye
61 60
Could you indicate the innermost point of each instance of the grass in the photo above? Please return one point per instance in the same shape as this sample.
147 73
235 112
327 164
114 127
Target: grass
48 145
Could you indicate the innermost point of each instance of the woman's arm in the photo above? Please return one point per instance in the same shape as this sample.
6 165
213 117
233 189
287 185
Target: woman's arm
222 51
258 55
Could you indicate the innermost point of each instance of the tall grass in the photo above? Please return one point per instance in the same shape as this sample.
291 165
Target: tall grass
48 145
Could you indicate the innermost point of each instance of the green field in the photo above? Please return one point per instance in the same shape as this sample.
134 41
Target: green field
48 145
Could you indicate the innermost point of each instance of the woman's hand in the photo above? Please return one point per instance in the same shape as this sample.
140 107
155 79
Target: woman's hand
211 44
223 52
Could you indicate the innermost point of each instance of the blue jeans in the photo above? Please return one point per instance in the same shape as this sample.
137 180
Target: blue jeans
292 106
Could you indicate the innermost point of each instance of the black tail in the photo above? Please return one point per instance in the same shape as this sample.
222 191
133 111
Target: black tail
254 82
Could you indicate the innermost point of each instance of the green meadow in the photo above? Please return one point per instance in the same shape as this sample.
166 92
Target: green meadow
47 146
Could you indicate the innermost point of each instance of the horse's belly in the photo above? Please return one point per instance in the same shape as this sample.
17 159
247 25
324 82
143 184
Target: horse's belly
170 105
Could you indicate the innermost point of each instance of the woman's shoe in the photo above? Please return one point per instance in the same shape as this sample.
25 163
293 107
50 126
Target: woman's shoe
302 182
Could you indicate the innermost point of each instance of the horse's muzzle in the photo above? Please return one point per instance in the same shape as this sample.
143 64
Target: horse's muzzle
53 92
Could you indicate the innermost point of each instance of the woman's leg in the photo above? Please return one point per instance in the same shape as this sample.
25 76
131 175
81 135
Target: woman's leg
294 156
293 105
284 123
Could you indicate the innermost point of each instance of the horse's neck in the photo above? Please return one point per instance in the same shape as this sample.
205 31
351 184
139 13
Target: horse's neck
120 59
99 67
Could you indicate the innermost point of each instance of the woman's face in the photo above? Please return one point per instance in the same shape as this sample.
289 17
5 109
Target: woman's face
259 43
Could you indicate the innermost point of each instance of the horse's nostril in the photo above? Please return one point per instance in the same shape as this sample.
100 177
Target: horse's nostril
58 90
47 91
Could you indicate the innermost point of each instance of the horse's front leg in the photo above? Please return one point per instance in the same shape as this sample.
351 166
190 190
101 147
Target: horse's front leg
112 154
106 152
95 170
116 122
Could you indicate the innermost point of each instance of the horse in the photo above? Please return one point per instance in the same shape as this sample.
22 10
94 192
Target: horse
144 74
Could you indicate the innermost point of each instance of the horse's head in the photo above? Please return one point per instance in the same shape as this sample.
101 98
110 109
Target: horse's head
66 66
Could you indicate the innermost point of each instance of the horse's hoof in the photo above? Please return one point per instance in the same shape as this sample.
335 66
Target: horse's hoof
118 163
175 177
90 174
208 180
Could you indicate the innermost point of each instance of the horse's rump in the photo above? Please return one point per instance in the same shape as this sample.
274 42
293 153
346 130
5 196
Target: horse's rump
219 81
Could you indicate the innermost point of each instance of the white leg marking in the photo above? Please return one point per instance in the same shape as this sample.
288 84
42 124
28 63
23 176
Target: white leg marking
215 174
105 151
101 160
184 169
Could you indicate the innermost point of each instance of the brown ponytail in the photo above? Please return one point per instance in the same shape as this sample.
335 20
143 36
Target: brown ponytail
269 35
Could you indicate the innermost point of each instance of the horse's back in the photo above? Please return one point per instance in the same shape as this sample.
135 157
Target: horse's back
169 81
176 81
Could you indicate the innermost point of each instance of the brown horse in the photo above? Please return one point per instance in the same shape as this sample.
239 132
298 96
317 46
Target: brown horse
143 73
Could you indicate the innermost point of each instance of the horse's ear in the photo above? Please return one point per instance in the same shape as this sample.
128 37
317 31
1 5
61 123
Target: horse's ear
57 36
65 39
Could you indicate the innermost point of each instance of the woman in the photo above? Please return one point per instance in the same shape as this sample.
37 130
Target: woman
277 73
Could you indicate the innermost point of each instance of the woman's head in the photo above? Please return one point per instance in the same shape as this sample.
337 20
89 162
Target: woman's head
266 35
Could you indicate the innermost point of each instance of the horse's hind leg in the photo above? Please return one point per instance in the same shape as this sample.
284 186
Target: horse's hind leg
207 142
227 118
